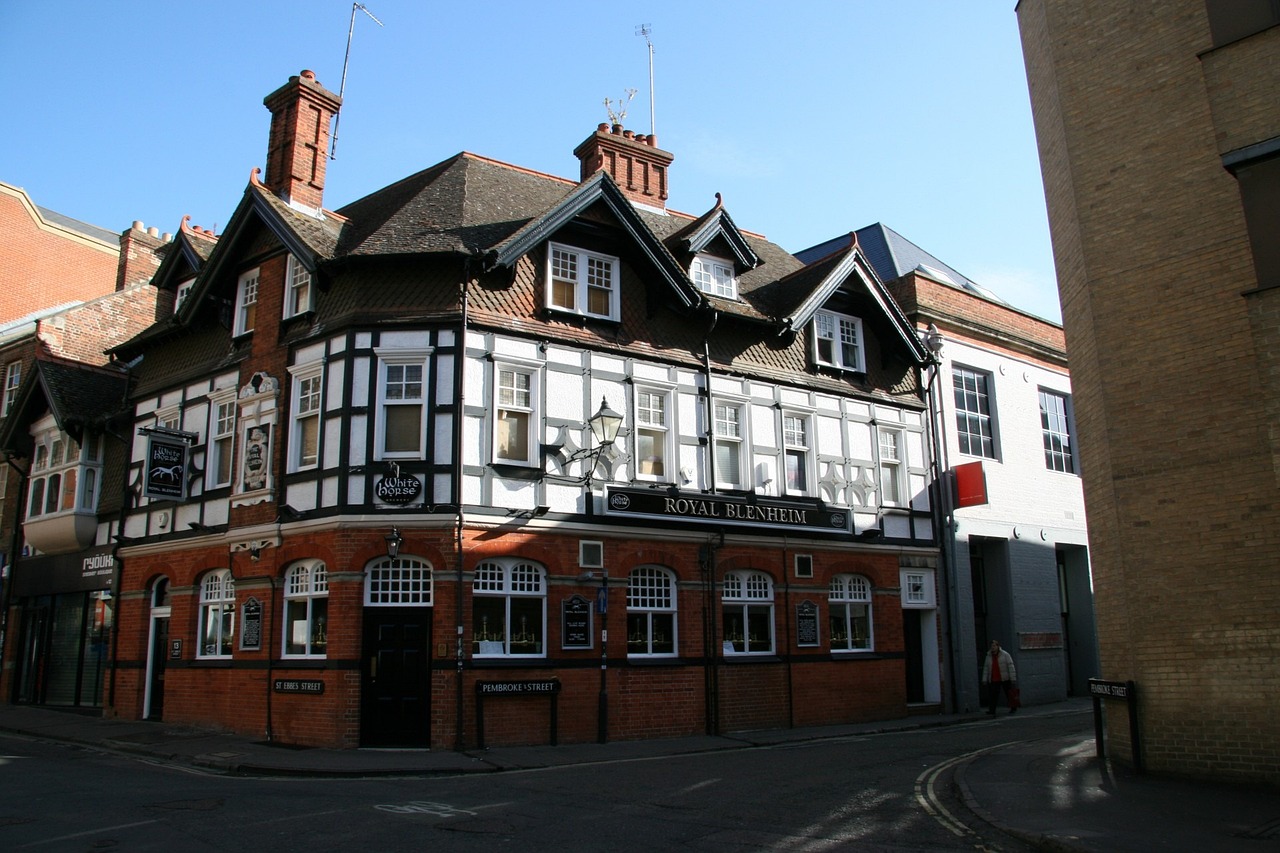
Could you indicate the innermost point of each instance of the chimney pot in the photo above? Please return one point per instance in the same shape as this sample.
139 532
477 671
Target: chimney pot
628 134
137 225
153 231
617 128
602 127
308 75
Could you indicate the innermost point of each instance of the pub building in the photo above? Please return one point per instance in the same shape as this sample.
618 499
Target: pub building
492 457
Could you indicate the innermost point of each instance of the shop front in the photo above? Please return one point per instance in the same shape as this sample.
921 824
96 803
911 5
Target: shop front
65 613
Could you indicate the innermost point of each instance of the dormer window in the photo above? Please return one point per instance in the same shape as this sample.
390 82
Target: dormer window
714 276
838 341
299 298
246 302
582 282
184 290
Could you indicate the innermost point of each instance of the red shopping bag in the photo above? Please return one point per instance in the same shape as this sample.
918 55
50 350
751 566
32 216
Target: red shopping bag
1015 698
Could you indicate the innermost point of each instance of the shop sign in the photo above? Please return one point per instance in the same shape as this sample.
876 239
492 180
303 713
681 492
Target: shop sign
166 465
88 570
257 455
807 624
517 688
575 615
765 515
251 625
313 687
398 490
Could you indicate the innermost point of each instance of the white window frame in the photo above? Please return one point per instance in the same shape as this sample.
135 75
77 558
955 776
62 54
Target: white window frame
217 626
747 601
401 581
401 358
972 394
63 471
715 276
849 603
306 611
521 585
735 443
804 451
246 302
513 403
12 381
580 271
307 412
1055 429
661 433
919 592
652 605
299 296
184 290
221 448
891 450
835 333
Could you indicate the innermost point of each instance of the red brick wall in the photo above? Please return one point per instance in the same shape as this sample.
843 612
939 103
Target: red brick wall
42 265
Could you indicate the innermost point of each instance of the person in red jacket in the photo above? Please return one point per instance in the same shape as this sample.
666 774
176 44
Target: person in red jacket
998 672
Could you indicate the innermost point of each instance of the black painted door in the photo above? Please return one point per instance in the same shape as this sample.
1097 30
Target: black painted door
395 707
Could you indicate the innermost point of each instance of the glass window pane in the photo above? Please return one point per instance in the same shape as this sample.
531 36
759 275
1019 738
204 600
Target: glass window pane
403 429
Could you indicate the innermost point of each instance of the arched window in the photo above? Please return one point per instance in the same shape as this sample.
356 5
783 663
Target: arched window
508 609
306 610
651 611
217 614
160 593
748 613
849 600
398 582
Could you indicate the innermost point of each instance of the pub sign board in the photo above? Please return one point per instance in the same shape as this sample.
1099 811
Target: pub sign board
575 617
765 515
398 490
166 468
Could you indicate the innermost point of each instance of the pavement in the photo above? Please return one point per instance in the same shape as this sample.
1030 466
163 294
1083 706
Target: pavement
1052 793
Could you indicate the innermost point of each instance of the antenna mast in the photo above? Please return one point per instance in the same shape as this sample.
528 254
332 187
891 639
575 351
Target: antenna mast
644 30
333 147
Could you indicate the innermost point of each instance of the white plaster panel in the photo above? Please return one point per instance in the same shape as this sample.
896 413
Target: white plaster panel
764 427
648 372
918 487
689 412
615 394
912 417
565 356
334 375
608 364
828 436
915 449
516 348
860 440
309 354
857 409
564 396
358 453
444 380
895 526
473 441
445 337
355 490
443 486
793 397
472 490
405 339
301 497
364 340
689 378
443 449
564 498
512 494
826 403
887 414
361 381
331 453
728 385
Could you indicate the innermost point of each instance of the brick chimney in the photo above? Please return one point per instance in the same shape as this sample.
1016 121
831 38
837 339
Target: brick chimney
301 113
634 162
139 255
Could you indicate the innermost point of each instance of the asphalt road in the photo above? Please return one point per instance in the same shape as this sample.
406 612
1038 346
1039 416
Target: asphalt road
891 792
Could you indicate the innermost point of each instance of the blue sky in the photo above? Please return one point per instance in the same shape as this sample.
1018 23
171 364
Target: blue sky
812 117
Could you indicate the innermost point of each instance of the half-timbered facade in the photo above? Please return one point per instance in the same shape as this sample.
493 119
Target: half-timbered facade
493 456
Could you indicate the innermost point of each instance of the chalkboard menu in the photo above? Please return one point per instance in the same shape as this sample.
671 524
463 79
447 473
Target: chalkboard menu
575 617
807 624
251 625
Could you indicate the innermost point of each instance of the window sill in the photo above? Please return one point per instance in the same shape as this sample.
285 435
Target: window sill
751 657
303 663
507 662
213 663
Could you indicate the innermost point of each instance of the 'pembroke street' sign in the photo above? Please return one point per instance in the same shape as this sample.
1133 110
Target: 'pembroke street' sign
765 514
